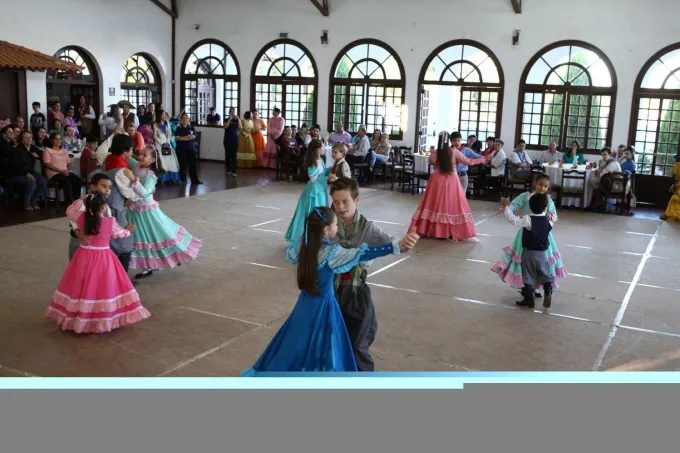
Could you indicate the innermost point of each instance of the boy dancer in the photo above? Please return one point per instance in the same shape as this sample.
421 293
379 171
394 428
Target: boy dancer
535 263
351 290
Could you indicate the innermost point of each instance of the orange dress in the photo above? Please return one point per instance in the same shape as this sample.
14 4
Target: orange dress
258 139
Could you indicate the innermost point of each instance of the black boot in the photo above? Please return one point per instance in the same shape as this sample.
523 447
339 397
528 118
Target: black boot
548 289
528 294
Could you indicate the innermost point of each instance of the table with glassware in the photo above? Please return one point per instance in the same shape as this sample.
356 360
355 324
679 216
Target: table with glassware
555 170
421 162
328 152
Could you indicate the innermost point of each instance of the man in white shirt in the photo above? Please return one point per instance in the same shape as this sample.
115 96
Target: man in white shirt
496 162
520 162
357 153
551 154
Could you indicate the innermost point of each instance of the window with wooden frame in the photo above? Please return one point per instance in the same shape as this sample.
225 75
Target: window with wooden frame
367 87
655 122
461 89
567 92
210 78
140 82
67 86
284 75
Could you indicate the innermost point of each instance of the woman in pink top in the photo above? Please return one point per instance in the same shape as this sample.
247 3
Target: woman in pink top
57 165
444 212
274 133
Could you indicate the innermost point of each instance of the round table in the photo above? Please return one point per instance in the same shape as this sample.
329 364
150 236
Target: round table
420 163
328 152
555 173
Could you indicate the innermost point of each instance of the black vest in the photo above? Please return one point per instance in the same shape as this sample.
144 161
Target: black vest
537 237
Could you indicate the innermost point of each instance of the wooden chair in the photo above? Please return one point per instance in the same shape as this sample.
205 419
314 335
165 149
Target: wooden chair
474 178
381 167
408 165
573 192
420 176
515 185
498 183
619 191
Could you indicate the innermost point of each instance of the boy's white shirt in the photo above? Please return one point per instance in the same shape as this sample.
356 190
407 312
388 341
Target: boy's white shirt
524 221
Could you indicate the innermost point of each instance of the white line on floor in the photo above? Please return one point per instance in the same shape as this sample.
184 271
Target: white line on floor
268 231
597 366
266 207
393 287
385 221
479 302
582 276
483 234
382 269
639 234
579 246
478 261
15 371
651 286
263 223
540 312
263 265
641 254
656 332
222 316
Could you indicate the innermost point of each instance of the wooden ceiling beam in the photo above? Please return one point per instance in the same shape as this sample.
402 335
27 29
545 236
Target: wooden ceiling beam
517 6
173 6
322 6
165 9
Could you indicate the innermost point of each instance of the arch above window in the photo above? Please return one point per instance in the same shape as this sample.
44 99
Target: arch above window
284 75
463 62
210 78
368 88
78 56
140 80
567 93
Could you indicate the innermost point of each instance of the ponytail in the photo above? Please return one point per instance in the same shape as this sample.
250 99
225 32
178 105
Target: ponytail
93 204
308 261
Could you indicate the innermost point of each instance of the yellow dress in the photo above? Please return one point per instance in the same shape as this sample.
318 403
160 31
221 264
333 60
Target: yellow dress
673 209
246 156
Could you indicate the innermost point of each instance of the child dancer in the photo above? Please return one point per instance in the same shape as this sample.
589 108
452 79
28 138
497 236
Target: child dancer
340 167
351 290
314 337
509 267
95 294
535 230
158 242
673 209
315 192
444 212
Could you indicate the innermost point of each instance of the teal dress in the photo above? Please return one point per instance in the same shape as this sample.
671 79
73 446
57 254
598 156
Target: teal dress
313 195
509 267
578 157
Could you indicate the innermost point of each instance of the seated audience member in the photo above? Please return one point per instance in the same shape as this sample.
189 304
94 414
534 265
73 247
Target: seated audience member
137 138
42 140
294 130
607 165
19 122
489 146
54 114
620 157
301 138
88 154
520 162
574 154
357 153
7 143
551 154
57 164
375 139
495 165
70 142
57 128
69 120
141 114
381 153
340 135
471 140
628 163
315 134
22 171
213 118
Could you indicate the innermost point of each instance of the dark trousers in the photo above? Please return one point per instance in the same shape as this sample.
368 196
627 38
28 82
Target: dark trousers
31 189
71 184
358 312
528 291
187 159
230 151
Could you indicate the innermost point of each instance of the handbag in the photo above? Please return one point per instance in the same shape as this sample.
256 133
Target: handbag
165 149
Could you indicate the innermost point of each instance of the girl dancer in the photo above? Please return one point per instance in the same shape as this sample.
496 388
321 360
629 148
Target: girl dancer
165 149
315 192
158 242
95 295
509 267
444 212
314 337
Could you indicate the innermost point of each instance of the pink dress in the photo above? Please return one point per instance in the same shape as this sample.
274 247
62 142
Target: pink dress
95 295
274 130
444 212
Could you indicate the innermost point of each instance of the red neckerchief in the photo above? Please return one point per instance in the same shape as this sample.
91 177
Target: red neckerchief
112 162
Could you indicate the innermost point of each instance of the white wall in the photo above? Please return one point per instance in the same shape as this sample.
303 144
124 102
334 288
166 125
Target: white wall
627 31
110 31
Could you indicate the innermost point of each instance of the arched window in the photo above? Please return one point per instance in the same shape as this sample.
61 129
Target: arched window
567 92
284 75
655 129
210 78
140 81
461 88
67 87
367 87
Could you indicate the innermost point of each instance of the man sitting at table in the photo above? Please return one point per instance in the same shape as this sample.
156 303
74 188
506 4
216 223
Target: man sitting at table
521 162
462 169
340 135
551 154
608 164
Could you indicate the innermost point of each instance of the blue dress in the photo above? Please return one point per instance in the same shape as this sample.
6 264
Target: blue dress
314 337
314 194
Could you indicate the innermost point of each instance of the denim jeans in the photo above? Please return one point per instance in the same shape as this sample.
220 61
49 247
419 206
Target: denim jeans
32 189
375 157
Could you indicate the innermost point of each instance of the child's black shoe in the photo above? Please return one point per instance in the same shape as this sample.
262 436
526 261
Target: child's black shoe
525 304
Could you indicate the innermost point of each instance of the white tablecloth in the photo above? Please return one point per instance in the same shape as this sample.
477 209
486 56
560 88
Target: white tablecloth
328 151
420 163
555 173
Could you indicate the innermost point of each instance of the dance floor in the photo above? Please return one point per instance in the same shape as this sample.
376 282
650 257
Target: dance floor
438 307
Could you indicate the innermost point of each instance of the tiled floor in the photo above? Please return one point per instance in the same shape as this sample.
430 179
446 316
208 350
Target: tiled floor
438 308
